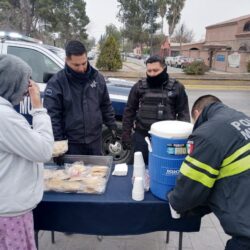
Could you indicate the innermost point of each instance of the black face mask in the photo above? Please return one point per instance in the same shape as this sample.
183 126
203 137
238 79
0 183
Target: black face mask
157 81
76 76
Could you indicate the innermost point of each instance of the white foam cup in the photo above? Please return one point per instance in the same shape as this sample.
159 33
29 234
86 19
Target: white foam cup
139 165
138 159
138 189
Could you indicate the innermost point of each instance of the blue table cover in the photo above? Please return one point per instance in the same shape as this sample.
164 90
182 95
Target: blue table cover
111 213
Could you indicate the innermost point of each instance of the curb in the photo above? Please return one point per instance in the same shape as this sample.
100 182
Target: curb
217 87
209 82
180 76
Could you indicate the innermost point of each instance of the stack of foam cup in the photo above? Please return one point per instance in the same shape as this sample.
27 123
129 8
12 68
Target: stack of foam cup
138 178
138 189
139 166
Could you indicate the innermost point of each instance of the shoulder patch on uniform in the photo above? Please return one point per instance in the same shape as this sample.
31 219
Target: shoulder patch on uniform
190 147
170 93
93 84
49 92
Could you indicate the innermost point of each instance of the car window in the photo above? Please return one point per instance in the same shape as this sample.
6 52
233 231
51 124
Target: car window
39 63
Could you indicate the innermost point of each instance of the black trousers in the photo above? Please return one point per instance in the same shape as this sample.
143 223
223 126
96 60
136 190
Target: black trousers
93 148
140 144
238 243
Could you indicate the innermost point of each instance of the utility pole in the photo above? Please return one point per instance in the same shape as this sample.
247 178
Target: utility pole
181 37
123 50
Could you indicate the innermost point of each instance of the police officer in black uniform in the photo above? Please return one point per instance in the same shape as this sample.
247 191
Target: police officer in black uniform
78 103
153 99
216 174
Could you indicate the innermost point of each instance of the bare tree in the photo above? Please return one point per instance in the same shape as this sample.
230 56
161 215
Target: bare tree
182 34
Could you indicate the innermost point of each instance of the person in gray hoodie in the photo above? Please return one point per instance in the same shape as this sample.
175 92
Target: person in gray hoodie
22 151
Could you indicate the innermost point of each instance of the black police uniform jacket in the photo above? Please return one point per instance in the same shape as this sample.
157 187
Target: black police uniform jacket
147 104
217 170
78 108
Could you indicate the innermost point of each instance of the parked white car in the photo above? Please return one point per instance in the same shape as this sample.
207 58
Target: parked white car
179 61
91 55
169 60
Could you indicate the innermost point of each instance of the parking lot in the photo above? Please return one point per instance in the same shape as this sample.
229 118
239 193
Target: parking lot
133 64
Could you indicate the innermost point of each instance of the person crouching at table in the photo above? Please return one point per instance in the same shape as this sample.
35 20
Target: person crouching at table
22 149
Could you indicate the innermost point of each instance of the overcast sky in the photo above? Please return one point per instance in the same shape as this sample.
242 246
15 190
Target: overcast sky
197 14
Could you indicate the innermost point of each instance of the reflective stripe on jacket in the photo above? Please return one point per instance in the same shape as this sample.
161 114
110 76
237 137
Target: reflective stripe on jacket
217 171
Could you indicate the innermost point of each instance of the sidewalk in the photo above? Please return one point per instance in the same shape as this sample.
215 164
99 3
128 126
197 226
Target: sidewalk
210 237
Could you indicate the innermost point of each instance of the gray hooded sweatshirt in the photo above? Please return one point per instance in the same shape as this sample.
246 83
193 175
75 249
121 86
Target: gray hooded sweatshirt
21 148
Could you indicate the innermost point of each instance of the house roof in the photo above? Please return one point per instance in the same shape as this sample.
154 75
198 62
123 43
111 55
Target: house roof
231 21
215 45
194 44
183 44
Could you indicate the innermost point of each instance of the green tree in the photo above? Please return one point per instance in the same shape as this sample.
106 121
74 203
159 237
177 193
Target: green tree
138 18
174 14
171 9
109 58
69 18
10 15
157 41
111 30
196 68
42 18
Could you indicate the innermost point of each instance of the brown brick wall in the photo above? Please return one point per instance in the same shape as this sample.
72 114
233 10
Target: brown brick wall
221 34
231 37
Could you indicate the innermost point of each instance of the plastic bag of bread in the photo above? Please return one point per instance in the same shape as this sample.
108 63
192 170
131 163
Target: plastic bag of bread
55 174
62 186
60 148
76 169
101 171
90 185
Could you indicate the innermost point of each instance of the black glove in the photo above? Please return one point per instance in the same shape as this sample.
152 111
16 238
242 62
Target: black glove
114 136
127 145
126 141
59 160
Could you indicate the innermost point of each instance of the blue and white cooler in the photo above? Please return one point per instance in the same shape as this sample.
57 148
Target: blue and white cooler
168 143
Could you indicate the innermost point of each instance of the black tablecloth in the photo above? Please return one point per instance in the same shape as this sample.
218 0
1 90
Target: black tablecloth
111 213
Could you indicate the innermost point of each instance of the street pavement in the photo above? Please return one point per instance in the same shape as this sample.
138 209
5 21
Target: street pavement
237 99
132 64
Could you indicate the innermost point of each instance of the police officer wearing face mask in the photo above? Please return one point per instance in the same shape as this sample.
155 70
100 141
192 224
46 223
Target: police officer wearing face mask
153 99
78 103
